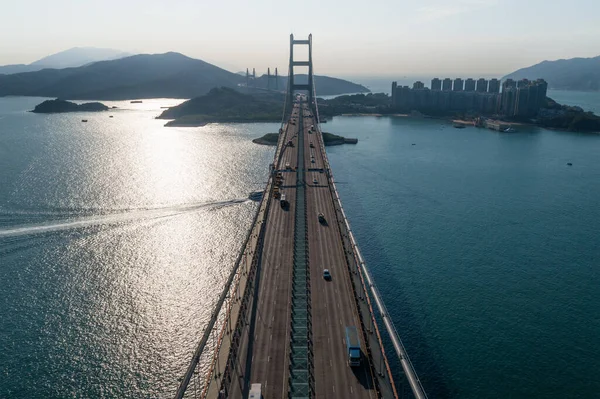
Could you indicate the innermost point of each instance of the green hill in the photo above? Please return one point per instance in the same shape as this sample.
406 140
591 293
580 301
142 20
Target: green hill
56 106
225 105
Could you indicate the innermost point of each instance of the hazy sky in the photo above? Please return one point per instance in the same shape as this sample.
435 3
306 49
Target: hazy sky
351 38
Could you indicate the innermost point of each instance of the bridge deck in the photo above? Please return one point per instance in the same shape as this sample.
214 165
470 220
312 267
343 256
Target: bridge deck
265 356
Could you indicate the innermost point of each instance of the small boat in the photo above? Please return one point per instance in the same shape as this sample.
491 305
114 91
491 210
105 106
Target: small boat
84 120
256 195
136 102
509 130
569 163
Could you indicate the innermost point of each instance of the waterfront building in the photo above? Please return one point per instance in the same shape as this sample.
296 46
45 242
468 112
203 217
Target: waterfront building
542 91
521 99
458 84
533 103
494 86
508 100
482 85
524 98
447 84
470 84
509 83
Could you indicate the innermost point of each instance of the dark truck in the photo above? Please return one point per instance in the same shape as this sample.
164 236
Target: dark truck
283 202
353 346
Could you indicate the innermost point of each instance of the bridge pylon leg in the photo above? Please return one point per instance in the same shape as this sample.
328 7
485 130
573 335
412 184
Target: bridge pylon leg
292 85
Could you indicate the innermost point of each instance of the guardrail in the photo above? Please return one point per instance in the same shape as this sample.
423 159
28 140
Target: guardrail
407 366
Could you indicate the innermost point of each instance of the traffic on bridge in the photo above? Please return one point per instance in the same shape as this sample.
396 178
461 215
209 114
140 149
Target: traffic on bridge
298 312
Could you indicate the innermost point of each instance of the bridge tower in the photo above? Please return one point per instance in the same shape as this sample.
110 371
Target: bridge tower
293 63
271 77
250 78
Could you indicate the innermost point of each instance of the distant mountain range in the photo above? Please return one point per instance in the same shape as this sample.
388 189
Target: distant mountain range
571 74
171 75
73 57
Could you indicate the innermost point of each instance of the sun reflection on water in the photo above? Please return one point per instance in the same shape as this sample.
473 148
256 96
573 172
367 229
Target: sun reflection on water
116 309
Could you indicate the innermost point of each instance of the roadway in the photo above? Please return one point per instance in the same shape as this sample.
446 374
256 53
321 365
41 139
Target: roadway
266 357
333 303
269 354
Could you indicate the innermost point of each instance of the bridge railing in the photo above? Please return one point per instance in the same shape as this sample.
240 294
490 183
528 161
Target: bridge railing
365 277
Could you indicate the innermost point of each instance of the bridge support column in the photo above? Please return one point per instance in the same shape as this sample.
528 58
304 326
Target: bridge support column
293 86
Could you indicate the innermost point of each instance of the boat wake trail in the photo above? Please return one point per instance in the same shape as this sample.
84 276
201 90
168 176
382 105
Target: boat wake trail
114 218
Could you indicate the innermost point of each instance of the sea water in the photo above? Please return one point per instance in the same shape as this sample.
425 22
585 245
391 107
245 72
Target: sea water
117 234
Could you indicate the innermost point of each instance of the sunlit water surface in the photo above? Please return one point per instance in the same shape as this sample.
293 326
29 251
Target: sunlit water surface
116 236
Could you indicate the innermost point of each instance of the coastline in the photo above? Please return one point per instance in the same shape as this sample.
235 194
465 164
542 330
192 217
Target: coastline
449 119
466 122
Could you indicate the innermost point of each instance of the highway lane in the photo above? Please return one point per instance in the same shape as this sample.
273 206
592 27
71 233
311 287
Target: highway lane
269 357
333 302
268 353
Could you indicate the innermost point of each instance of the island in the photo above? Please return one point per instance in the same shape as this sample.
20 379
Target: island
328 138
58 106
226 105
